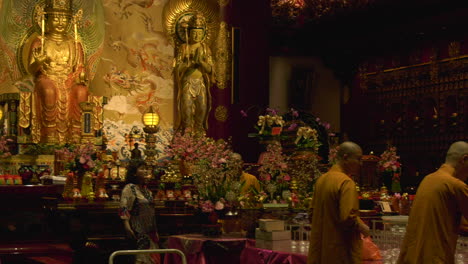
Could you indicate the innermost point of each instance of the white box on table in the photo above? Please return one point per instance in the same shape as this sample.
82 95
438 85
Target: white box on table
271 224
272 235
274 244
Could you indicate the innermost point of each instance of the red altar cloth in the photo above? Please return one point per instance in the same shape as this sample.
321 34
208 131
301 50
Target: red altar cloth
287 252
199 249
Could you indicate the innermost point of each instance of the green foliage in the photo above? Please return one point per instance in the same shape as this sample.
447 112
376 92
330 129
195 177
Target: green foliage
41 149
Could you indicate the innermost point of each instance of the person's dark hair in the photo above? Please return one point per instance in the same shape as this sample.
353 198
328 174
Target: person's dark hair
132 168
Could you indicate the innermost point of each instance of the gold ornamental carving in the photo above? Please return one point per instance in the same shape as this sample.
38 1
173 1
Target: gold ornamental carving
97 111
222 56
454 49
178 12
434 67
221 113
25 109
363 76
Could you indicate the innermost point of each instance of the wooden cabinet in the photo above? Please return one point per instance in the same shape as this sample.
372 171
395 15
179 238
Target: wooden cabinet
369 177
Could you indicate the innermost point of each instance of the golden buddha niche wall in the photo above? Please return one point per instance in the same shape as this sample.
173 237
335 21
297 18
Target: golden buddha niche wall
128 59
420 107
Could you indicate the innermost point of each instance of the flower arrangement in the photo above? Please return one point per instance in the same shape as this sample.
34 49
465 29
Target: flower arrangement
307 138
214 171
304 172
80 159
190 147
274 178
304 124
389 160
332 154
217 178
390 168
270 124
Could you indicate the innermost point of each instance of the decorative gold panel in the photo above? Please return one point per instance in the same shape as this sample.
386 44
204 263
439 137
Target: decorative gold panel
221 113
222 56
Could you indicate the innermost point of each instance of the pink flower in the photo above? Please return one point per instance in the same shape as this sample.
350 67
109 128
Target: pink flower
292 127
82 160
90 163
243 113
294 113
272 111
287 177
207 206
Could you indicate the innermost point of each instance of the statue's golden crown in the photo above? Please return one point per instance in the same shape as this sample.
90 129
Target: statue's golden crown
197 21
58 6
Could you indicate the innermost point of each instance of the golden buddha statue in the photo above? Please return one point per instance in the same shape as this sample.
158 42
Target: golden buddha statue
193 73
56 60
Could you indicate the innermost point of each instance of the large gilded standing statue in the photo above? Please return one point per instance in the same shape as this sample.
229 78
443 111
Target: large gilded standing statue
56 60
193 73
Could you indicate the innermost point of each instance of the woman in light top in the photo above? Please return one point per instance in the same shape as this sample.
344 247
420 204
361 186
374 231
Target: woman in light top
137 211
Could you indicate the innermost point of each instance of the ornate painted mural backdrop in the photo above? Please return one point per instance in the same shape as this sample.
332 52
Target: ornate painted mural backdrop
118 141
135 69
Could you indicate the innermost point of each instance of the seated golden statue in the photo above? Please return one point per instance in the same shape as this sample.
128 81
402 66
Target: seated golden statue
56 60
193 73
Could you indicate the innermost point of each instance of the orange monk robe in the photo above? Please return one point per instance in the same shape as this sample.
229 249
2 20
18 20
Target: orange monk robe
250 181
335 236
432 232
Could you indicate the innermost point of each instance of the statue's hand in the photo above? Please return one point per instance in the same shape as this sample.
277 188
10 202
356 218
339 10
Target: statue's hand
39 56
196 57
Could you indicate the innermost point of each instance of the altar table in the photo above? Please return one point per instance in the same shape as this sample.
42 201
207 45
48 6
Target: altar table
283 252
199 249
287 252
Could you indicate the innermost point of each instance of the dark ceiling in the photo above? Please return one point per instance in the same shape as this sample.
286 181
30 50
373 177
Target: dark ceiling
347 37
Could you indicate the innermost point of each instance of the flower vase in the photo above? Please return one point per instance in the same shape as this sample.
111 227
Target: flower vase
185 168
387 178
396 187
86 185
213 218
212 229
26 172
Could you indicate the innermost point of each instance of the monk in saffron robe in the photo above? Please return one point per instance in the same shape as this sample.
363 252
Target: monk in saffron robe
249 180
336 228
441 201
